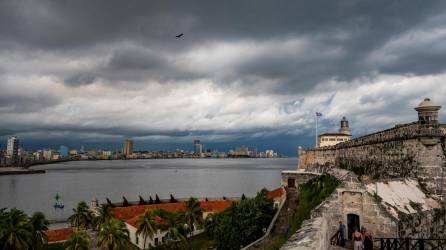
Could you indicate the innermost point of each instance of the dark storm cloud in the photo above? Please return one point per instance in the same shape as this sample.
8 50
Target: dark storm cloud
242 68
354 27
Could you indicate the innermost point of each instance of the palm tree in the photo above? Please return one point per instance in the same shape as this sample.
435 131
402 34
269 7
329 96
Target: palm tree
15 232
147 227
79 240
105 213
82 216
193 215
39 224
113 234
174 226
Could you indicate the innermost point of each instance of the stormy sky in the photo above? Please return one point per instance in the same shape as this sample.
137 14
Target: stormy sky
245 72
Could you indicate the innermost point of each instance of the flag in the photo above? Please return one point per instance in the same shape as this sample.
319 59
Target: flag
318 114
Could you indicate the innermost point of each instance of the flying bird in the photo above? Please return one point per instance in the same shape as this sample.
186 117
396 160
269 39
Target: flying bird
179 35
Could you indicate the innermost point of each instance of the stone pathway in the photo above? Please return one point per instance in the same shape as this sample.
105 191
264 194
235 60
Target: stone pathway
283 220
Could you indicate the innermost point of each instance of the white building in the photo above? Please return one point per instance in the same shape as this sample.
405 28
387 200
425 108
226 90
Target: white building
333 138
131 214
12 149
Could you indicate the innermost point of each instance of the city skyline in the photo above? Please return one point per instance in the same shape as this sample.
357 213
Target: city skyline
232 79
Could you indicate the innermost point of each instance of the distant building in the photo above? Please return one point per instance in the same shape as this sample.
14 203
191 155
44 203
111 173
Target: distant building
128 147
12 149
48 154
198 148
73 152
333 138
63 151
269 153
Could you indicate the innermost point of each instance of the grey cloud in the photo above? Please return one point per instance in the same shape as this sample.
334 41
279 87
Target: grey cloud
26 104
114 43
81 79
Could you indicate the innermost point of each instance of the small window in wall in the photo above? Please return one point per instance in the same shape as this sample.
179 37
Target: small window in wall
332 139
137 240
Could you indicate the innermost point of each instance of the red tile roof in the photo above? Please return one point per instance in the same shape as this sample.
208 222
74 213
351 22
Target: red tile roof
62 234
276 193
131 214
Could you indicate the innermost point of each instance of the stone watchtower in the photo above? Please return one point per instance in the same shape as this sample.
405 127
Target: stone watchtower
344 127
428 112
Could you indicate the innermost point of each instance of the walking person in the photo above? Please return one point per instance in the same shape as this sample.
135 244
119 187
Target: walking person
357 240
368 240
341 234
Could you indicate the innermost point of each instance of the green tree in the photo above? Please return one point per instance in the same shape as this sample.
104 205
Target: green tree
113 235
242 223
39 224
15 230
193 215
174 227
82 217
79 240
147 226
105 213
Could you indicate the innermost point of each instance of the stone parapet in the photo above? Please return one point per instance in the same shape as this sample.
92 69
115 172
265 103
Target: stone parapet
410 150
312 235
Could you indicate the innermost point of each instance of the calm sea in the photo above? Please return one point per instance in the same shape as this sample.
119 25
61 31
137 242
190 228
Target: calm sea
85 180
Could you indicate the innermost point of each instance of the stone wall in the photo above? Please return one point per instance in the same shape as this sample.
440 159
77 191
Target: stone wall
297 177
426 224
351 197
312 235
410 150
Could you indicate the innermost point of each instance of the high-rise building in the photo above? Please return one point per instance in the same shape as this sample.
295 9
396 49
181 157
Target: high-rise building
12 149
128 147
198 148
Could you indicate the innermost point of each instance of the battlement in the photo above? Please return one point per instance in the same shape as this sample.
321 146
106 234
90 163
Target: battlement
415 150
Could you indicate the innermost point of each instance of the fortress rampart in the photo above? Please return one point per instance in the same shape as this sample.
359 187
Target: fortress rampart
415 150
410 150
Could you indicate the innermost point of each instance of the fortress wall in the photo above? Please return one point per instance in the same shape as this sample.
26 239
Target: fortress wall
409 150
426 224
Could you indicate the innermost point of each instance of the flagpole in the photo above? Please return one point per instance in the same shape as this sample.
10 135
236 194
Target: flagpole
315 144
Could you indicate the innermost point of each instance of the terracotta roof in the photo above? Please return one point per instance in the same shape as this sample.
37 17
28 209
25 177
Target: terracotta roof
130 214
276 193
62 234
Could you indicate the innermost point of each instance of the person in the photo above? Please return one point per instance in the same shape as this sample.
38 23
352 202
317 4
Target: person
341 234
357 240
368 240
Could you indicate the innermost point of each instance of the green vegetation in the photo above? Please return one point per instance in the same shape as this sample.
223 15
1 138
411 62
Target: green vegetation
18 231
242 223
178 225
147 227
358 170
54 246
113 235
82 216
193 216
79 240
201 241
311 194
